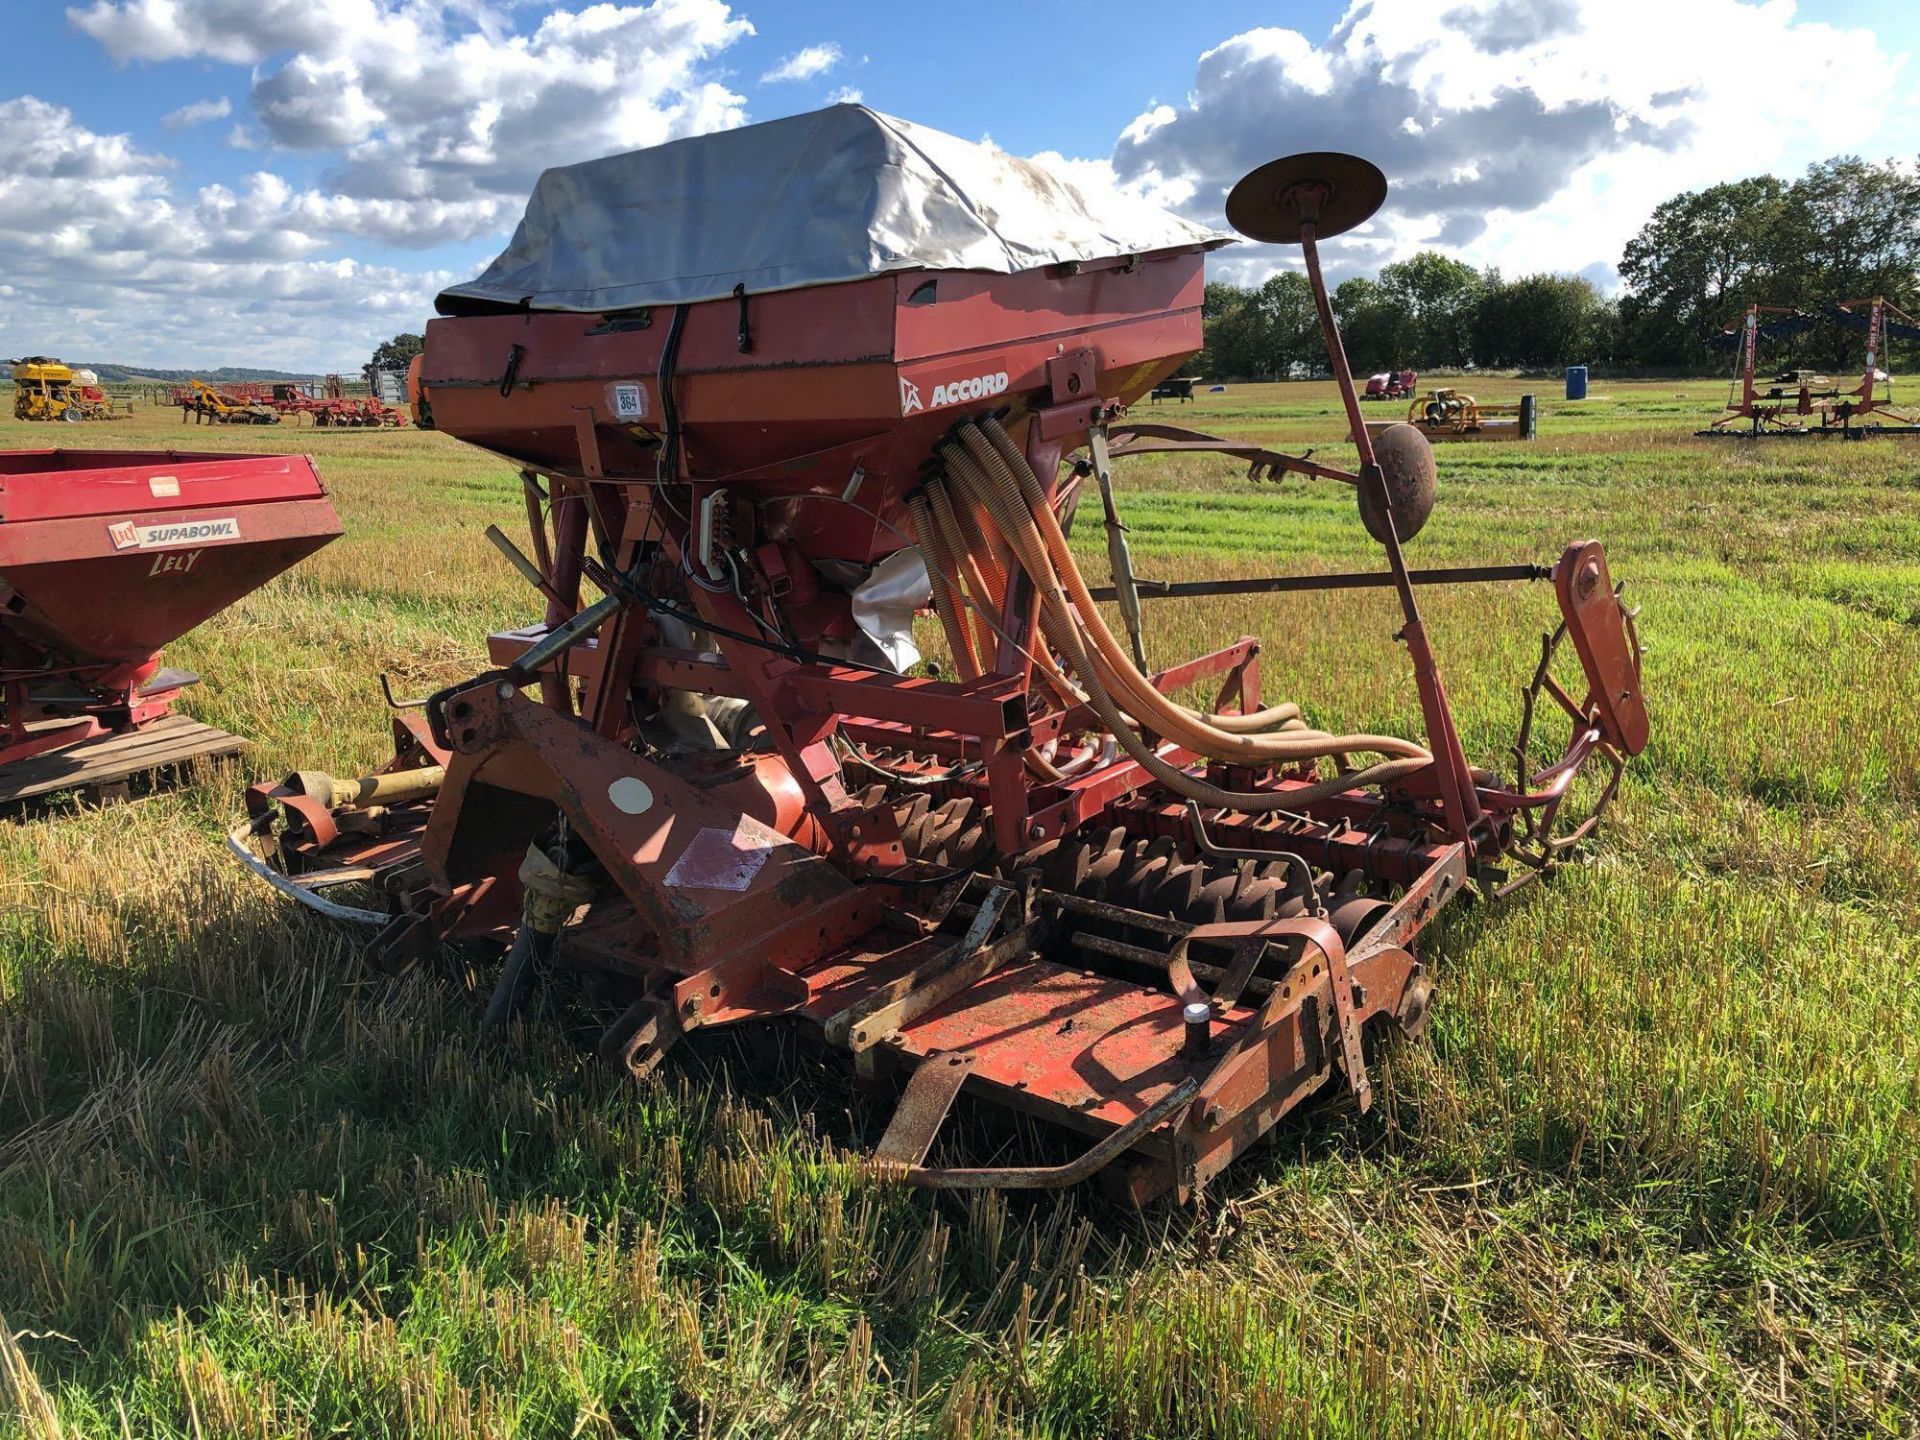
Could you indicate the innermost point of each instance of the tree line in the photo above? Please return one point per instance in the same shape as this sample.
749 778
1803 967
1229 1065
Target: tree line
1845 230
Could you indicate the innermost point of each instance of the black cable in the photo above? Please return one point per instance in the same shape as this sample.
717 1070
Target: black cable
669 368
611 580
614 582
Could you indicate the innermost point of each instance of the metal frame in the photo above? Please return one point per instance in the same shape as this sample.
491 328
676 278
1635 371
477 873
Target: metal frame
1850 414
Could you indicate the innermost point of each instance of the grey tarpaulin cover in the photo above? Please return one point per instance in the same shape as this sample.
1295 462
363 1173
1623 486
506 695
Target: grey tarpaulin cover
835 195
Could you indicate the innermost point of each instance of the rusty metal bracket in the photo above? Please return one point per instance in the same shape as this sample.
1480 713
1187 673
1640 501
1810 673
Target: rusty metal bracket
1119 554
1262 463
950 970
922 1110
639 1039
1347 1022
386 689
1055 1177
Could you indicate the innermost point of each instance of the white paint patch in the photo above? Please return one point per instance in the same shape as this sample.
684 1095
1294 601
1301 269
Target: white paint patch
630 795
163 486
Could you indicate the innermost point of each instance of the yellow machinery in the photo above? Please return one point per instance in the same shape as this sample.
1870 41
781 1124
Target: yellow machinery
47 389
1449 414
1446 408
204 404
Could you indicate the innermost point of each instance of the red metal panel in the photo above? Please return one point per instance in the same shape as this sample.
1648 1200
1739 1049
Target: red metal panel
828 387
85 601
63 484
1093 1048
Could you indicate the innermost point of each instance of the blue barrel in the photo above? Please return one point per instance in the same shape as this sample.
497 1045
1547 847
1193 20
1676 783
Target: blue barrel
1576 382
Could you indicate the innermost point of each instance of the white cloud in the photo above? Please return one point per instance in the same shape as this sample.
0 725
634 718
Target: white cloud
846 95
240 32
446 108
109 259
198 113
432 118
27 122
804 64
1533 134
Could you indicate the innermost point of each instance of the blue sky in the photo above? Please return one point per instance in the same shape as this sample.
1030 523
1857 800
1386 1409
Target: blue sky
282 182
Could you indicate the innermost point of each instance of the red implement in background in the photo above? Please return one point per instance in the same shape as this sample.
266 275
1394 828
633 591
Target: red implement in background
1797 403
105 557
1033 877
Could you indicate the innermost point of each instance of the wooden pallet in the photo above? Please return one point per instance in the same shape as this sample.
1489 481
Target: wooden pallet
102 767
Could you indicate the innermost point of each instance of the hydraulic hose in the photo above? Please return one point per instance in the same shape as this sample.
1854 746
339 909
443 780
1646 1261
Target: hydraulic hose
1010 468
946 605
943 566
990 590
990 482
947 526
1064 638
1275 717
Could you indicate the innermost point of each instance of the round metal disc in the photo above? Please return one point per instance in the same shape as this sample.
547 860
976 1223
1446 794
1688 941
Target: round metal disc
1412 479
1265 205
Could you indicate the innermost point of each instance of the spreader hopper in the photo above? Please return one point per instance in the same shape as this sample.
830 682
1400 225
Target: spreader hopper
105 557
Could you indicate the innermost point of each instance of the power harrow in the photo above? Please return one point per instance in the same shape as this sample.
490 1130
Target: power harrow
728 789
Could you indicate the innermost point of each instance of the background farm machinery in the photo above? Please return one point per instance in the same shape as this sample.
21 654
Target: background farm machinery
1799 403
727 790
268 403
206 404
1390 385
47 389
1450 414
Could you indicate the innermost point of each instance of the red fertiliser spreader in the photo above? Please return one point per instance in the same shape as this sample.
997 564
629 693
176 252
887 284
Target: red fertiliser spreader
107 556
771 393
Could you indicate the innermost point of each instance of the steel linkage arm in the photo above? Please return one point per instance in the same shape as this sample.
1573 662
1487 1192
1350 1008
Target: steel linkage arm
1145 438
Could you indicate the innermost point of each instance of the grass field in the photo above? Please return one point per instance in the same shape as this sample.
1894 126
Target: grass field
1657 1173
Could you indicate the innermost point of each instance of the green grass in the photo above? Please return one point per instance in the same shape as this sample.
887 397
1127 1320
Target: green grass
1657 1173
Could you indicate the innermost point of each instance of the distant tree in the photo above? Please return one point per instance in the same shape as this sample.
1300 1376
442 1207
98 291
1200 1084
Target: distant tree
1538 322
1376 326
1847 229
397 353
1438 297
1289 326
1701 256
1854 232
1219 300
1232 339
1604 344
1220 297
1260 334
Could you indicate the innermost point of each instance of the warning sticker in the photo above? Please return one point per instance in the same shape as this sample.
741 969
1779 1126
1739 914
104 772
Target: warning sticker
128 535
722 859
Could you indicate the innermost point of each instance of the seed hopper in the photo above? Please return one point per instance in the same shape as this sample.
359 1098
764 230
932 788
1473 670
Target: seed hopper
770 393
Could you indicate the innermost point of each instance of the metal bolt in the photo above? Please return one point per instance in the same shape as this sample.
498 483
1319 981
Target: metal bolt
1034 832
1198 1018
